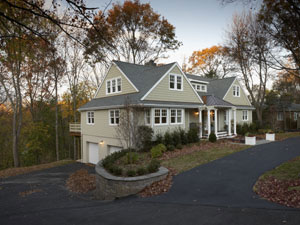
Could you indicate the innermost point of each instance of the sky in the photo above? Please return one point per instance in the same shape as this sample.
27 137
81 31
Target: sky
199 23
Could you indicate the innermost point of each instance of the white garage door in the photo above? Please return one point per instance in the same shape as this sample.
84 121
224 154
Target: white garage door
112 149
93 153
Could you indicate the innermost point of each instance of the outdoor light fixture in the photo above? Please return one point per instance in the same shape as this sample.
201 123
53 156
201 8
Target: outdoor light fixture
197 113
101 142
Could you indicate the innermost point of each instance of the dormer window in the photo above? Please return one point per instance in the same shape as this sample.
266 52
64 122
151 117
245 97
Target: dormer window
175 82
236 90
114 85
200 87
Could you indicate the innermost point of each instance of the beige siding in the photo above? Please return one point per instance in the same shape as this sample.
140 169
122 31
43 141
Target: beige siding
162 92
239 117
126 85
242 100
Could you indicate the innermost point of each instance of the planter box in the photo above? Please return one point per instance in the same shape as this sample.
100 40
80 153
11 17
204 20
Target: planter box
270 137
250 140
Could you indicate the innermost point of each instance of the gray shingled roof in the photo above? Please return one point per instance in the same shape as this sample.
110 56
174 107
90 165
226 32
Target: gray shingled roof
215 101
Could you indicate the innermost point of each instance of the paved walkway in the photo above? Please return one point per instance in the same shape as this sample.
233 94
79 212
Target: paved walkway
219 192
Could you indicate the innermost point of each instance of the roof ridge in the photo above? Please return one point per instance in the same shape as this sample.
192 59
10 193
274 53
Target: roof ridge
135 64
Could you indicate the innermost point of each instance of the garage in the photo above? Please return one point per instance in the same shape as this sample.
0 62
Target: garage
93 152
112 149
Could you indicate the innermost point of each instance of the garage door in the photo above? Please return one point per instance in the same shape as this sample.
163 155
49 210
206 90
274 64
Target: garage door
112 149
93 153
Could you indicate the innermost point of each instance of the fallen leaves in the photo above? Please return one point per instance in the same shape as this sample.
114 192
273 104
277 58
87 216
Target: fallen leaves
81 181
159 187
29 192
285 192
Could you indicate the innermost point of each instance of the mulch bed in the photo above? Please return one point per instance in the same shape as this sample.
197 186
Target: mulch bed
81 181
285 192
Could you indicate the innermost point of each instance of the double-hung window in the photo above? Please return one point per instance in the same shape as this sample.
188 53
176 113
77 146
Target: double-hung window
176 82
114 85
90 119
147 117
176 116
236 90
245 115
160 116
114 117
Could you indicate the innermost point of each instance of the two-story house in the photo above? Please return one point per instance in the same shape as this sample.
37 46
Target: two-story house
169 99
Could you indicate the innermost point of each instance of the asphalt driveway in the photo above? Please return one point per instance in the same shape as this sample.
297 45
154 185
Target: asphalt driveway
219 192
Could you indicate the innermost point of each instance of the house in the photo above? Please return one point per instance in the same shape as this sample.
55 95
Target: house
169 99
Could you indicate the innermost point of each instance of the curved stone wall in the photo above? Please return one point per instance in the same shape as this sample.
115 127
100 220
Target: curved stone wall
109 187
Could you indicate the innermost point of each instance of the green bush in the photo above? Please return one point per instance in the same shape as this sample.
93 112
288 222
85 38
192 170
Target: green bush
153 166
192 135
141 171
212 137
131 173
158 150
115 170
179 146
176 137
170 148
168 140
159 139
131 157
183 136
145 135
110 159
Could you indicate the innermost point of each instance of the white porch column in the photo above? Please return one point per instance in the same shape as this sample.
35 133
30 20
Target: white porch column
216 122
208 122
234 121
200 122
229 121
152 117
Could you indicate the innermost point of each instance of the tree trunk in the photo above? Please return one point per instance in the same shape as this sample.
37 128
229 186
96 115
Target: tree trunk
259 116
75 120
15 140
56 122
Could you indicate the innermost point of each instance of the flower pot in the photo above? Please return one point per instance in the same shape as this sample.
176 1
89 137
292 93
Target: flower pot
270 137
250 140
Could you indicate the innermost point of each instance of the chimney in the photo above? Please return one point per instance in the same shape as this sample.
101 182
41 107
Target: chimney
150 63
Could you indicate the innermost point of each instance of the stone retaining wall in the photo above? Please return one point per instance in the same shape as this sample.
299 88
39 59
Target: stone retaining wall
109 187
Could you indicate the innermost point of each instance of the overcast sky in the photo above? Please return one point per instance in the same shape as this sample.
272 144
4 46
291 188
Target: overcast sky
199 23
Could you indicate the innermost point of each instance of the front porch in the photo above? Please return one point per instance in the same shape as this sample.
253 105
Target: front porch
218 120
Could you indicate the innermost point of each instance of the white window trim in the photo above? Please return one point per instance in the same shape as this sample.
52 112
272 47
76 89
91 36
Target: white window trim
160 117
198 87
279 118
146 117
175 82
116 82
176 122
296 116
247 115
87 117
109 117
235 94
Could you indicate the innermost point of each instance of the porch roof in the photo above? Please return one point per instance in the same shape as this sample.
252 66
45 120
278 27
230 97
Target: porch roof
211 100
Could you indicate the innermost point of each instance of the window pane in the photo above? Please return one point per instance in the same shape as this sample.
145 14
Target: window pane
108 86
113 82
117 112
164 119
178 119
173 112
173 119
119 84
179 81
157 112
117 120
164 112
111 113
156 120
112 120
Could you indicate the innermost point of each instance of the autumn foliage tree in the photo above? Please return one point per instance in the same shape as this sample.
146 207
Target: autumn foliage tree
132 32
211 62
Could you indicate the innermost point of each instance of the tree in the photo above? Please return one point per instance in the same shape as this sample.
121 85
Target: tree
250 48
134 33
213 62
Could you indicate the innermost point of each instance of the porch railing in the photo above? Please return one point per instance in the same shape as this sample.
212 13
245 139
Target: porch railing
75 128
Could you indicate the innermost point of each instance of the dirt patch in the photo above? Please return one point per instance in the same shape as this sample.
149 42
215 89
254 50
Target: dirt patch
159 187
29 192
22 170
81 181
285 192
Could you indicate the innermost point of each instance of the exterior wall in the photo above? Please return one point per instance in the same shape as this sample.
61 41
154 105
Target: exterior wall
126 86
239 116
242 100
221 122
162 92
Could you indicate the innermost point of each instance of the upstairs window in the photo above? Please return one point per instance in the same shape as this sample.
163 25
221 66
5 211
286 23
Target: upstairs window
236 90
245 115
200 87
114 117
114 85
176 116
160 116
175 82
90 119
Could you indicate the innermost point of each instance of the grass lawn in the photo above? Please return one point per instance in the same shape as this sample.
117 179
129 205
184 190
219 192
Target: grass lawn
21 170
282 136
206 152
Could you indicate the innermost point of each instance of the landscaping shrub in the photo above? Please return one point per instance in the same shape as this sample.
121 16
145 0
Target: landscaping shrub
179 146
183 136
141 171
131 157
168 140
115 170
176 137
170 147
153 166
239 129
158 150
192 135
131 173
145 138
212 137
158 139
110 159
